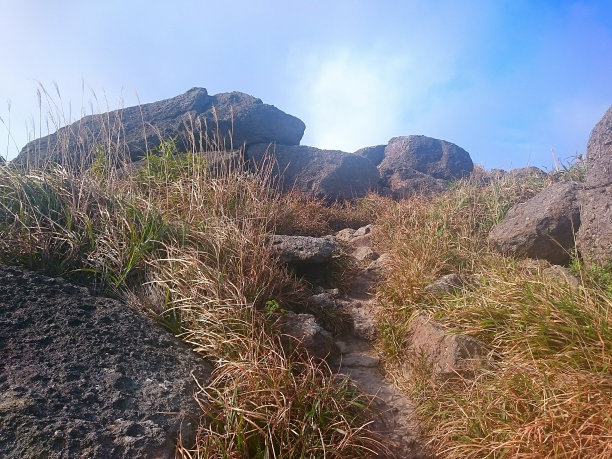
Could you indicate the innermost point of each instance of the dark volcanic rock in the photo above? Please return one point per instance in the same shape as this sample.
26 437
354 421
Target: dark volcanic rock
374 154
131 130
304 249
594 239
86 376
329 174
438 158
404 182
599 153
542 227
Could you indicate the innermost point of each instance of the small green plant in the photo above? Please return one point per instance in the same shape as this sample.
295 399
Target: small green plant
272 307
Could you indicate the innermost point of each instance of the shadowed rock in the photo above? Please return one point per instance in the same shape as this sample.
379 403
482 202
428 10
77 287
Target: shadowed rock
233 119
542 227
374 154
86 376
329 174
304 250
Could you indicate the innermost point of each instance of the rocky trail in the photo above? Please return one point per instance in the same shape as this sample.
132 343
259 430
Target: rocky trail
359 360
352 352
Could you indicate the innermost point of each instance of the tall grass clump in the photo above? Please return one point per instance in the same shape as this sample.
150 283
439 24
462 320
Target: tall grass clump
183 235
548 392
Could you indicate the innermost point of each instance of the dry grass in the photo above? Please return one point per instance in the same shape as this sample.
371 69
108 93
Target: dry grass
549 392
188 244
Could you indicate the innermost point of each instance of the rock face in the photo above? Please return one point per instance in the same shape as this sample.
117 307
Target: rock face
374 154
542 227
329 174
85 376
303 329
438 158
599 153
448 354
304 250
594 240
247 118
404 183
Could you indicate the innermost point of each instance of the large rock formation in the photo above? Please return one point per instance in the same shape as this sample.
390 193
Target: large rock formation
542 227
329 174
417 164
438 158
599 153
594 240
233 119
85 376
375 154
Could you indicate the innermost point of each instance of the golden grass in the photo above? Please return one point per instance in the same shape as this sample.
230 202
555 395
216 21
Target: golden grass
549 391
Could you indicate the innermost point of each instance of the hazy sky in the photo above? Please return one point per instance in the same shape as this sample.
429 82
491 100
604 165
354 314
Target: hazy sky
506 80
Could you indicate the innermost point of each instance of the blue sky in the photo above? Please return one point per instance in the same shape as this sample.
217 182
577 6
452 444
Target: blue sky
506 80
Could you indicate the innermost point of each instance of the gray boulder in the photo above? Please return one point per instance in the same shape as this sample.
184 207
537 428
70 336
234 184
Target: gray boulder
304 250
449 354
86 376
329 174
525 173
230 119
594 239
438 158
542 227
301 331
599 153
404 182
445 285
374 154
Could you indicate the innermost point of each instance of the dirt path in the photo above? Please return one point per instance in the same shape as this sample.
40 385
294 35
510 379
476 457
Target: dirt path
359 360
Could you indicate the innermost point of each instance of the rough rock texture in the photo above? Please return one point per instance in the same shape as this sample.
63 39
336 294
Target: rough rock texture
448 354
438 158
303 329
329 174
85 376
599 153
594 239
446 285
526 173
560 274
374 154
403 183
248 118
304 249
542 227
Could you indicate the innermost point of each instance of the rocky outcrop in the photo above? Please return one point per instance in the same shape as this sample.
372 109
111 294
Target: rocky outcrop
86 376
594 239
304 250
542 227
329 174
437 158
599 153
374 154
403 183
301 331
230 119
445 285
448 354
